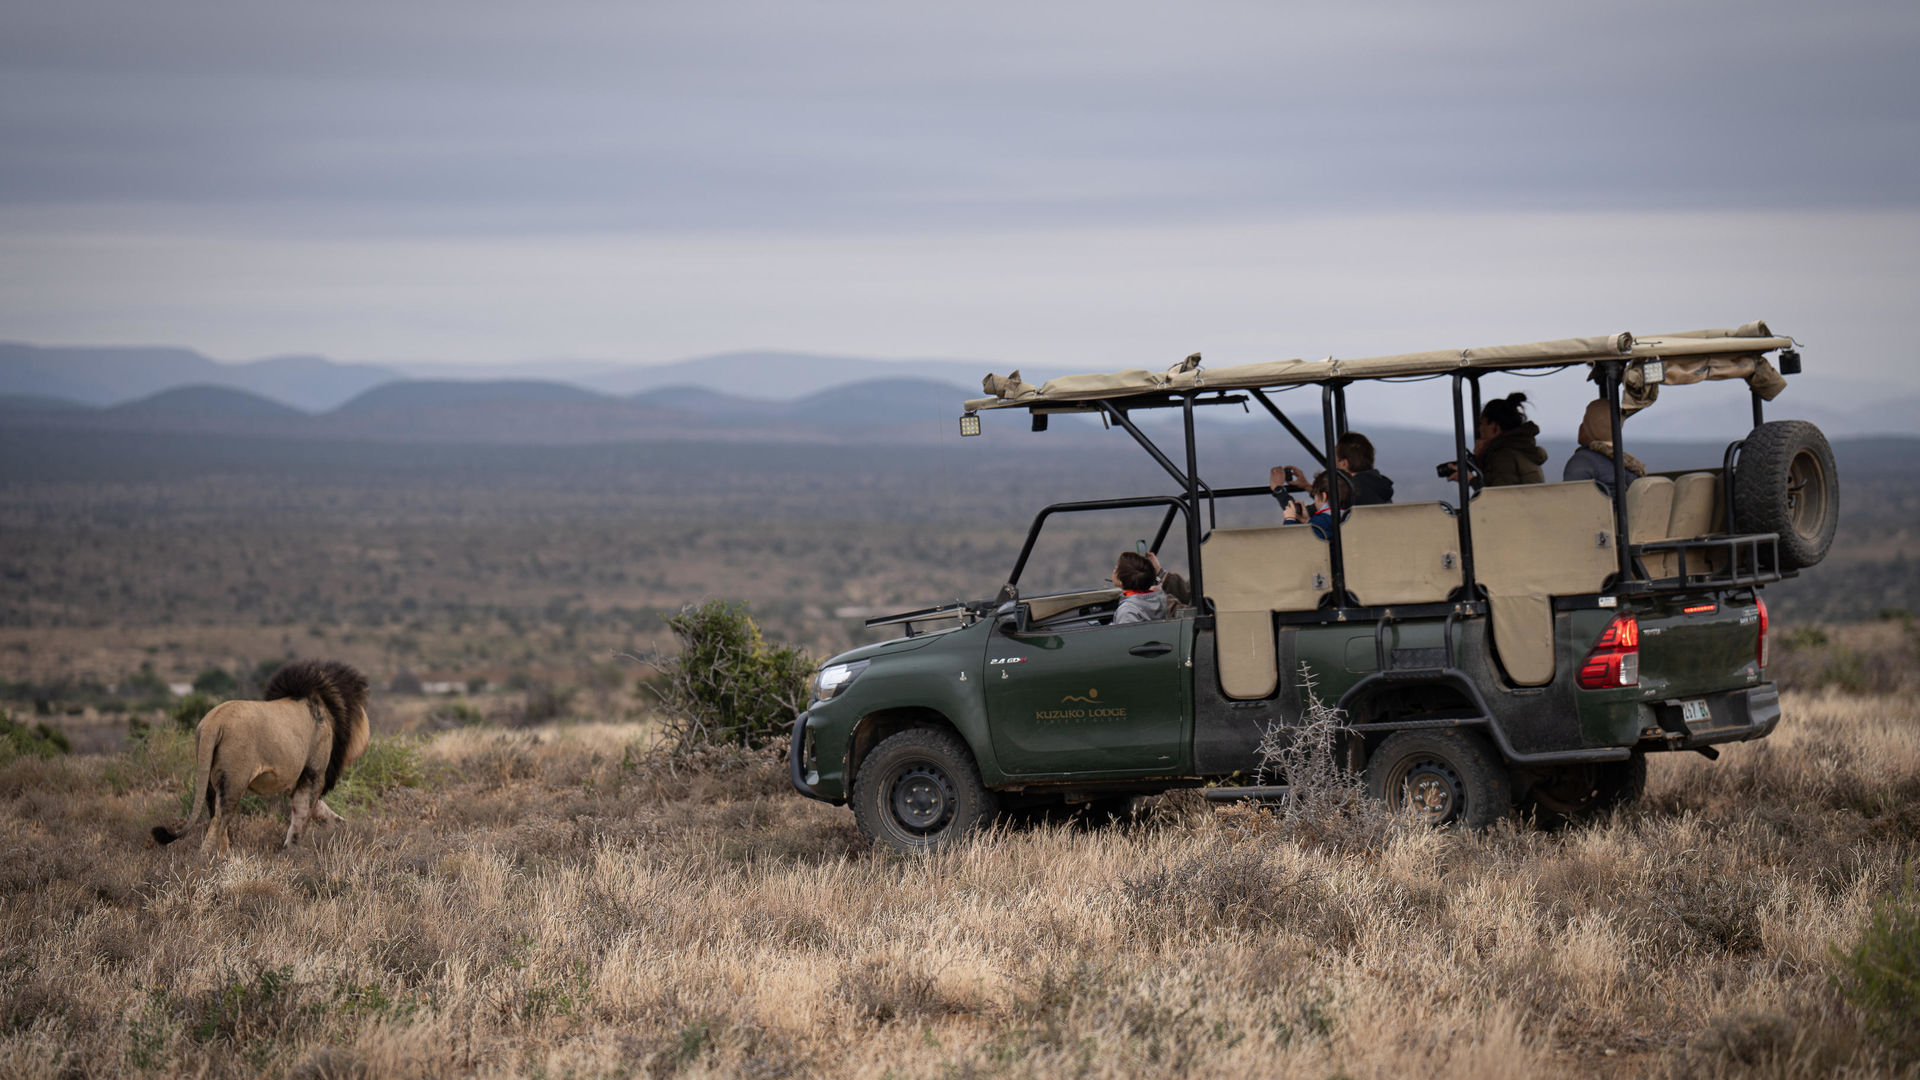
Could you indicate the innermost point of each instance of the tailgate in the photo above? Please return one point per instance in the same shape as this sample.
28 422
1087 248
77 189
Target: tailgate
1698 643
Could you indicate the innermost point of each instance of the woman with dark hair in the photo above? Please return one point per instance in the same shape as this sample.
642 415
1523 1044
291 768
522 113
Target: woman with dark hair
1594 458
1507 446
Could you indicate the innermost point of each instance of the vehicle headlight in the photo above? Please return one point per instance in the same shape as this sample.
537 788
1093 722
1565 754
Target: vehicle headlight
836 677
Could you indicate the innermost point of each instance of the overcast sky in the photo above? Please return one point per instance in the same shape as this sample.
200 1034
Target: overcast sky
1054 186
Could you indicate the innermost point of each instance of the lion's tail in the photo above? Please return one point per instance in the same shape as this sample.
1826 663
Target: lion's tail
206 742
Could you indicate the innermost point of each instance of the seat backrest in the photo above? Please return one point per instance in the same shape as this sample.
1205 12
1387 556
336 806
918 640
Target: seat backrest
1649 508
1696 506
1401 553
1250 574
1272 568
1533 542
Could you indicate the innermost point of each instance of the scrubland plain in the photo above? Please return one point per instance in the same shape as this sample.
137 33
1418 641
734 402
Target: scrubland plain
567 902
528 886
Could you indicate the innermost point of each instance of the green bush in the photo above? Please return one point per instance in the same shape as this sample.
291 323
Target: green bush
18 740
1880 976
216 681
728 685
188 711
387 764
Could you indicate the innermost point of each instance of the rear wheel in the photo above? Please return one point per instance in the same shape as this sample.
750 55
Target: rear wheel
1444 777
1577 792
918 791
1786 483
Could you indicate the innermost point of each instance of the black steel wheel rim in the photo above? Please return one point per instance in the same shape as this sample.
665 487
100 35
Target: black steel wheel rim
1431 787
1806 494
922 798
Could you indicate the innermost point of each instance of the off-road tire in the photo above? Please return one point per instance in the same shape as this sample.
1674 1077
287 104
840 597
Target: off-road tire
1786 483
1448 777
920 791
1574 793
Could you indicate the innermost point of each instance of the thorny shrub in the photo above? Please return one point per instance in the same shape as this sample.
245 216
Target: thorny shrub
728 684
1326 802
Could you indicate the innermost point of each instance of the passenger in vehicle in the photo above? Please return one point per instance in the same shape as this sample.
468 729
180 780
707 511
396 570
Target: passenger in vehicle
1137 575
1593 460
1507 446
1178 592
1353 454
1321 518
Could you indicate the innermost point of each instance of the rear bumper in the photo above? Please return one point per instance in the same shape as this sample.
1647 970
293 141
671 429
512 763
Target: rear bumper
1736 716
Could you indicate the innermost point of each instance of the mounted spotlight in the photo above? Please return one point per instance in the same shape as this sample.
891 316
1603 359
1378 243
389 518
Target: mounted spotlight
969 424
1654 371
1789 361
1039 421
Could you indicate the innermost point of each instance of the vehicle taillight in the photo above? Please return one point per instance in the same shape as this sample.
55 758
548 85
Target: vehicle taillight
1760 651
1615 659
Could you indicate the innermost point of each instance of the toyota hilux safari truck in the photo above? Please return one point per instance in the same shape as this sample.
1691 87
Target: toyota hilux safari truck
1508 647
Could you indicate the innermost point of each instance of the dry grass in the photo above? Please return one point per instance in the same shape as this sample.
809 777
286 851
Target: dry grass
559 902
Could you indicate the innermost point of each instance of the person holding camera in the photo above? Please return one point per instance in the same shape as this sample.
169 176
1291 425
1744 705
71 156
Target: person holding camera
1321 517
1506 450
1353 456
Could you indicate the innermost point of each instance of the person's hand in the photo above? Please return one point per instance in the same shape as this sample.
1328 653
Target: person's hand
1154 558
1276 477
1446 470
1296 513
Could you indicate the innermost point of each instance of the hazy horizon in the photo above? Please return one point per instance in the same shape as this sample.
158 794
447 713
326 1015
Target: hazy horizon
1073 189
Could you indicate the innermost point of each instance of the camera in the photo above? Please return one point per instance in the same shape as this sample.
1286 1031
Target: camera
1440 470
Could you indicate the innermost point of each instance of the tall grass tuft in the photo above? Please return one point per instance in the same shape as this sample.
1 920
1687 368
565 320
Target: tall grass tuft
1880 975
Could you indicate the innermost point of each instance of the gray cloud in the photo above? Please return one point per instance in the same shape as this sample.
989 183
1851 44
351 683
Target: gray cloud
496 116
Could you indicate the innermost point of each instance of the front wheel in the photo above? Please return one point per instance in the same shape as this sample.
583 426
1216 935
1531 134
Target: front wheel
1442 777
920 791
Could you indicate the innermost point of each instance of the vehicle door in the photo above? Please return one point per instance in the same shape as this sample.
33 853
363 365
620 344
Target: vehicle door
1091 699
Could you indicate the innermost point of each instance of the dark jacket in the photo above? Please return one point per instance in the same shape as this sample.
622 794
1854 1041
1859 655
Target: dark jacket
1514 457
1370 488
1589 464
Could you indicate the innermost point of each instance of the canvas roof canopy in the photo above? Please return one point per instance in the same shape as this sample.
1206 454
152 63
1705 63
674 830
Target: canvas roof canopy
1690 356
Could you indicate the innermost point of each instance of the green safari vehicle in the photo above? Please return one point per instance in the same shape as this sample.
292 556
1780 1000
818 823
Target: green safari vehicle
1512 647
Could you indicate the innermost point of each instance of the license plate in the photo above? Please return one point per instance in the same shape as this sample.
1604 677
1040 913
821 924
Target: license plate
1695 712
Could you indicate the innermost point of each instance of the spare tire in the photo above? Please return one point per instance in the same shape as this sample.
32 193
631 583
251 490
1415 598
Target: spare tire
1785 482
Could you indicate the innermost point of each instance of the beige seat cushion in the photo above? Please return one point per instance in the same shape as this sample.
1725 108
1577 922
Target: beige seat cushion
1532 543
1523 636
1697 511
1250 574
1273 568
1649 510
1407 553
1244 641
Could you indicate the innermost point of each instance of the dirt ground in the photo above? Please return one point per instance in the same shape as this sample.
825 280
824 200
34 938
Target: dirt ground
561 901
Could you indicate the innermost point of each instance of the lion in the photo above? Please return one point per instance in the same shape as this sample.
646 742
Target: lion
312 725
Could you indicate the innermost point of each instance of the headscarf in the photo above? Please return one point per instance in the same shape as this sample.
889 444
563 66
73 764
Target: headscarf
1596 434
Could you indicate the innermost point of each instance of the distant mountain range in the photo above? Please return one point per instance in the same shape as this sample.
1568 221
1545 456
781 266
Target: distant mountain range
117 375
519 411
758 396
